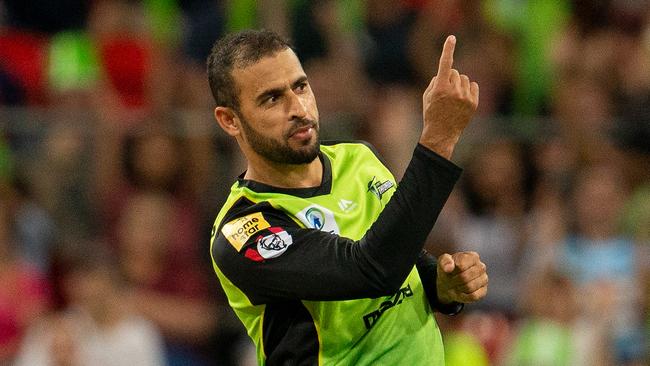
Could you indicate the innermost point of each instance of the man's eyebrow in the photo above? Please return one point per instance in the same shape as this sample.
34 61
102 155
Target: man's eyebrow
277 91
299 81
268 93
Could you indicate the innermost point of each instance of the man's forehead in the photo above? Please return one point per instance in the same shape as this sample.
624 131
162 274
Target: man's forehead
269 72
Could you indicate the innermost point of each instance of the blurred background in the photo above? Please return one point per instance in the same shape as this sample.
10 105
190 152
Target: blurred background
112 169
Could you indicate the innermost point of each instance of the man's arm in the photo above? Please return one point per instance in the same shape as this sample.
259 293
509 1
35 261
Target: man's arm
315 265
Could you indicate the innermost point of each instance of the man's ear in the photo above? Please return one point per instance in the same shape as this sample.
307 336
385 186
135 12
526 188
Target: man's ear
227 119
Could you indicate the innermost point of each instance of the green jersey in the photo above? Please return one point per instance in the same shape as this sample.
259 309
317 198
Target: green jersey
334 274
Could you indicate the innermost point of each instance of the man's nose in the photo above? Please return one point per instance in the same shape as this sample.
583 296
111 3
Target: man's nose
297 107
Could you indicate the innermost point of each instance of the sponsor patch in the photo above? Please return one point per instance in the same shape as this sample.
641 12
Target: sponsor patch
239 230
274 244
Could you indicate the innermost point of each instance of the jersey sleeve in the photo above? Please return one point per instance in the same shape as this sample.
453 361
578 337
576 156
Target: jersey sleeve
272 258
279 260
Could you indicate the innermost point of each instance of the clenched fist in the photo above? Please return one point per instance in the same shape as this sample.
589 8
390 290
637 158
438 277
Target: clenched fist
461 277
449 102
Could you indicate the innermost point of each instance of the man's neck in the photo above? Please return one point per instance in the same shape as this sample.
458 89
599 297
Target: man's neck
285 175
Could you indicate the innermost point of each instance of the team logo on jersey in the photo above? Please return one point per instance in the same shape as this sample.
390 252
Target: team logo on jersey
318 217
378 188
274 244
239 230
315 218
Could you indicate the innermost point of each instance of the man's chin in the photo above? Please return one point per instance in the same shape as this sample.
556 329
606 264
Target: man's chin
307 153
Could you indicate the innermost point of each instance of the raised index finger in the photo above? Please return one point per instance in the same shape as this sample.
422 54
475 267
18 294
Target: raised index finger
446 58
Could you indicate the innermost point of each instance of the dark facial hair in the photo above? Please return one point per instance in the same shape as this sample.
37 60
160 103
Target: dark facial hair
280 151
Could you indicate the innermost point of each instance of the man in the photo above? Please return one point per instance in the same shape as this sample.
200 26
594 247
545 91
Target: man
316 247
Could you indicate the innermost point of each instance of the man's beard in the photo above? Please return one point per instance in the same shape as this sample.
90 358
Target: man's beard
279 151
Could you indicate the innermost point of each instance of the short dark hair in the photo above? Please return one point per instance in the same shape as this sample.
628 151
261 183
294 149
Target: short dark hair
238 50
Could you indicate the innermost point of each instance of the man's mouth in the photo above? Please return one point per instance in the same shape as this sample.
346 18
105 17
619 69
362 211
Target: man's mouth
303 131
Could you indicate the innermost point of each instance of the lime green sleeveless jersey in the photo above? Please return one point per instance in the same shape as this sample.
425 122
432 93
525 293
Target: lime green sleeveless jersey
287 263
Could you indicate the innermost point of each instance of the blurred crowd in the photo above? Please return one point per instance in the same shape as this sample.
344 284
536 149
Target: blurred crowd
112 169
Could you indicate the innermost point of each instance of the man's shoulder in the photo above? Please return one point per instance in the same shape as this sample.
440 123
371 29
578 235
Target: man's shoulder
243 207
353 145
245 219
350 149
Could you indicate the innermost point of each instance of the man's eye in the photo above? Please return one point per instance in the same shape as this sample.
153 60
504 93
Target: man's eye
301 87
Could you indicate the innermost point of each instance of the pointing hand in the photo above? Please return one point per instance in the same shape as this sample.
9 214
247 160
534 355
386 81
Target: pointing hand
449 102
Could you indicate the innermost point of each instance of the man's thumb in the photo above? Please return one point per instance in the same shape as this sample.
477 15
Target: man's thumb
446 263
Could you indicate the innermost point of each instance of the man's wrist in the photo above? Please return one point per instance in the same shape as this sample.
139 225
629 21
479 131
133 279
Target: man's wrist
451 308
446 305
441 146
443 299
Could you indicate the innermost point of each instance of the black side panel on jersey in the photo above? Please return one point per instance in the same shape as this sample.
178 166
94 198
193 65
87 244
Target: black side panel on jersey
289 335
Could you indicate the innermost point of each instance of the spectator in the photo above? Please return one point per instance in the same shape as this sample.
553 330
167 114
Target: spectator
544 336
534 26
164 287
554 164
96 327
137 58
24 292
494 217
154 157
329 46
34 227
486 52
394 113
23 56
605 265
